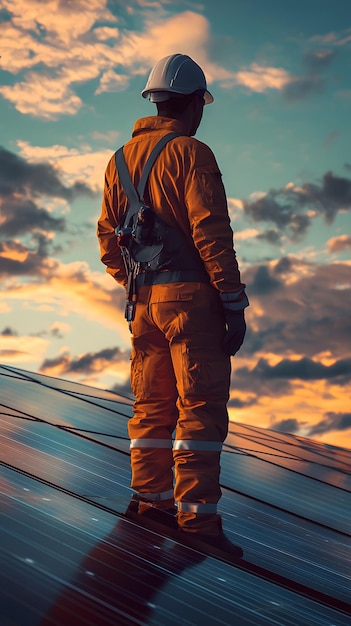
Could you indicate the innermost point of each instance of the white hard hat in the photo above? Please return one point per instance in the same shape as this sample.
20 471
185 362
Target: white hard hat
175 74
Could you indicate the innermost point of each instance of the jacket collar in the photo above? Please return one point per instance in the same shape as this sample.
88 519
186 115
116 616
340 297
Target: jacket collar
158 123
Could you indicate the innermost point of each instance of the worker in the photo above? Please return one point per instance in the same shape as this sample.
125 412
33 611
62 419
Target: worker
189 314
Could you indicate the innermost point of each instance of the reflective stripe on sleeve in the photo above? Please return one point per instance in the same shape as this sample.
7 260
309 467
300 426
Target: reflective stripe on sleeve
164 495
192 444
196 507
150 443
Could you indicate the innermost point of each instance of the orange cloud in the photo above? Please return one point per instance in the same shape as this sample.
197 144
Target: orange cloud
63 39
15 349
305 405
88 163
14 251
260 78
73 289
42 94
338 244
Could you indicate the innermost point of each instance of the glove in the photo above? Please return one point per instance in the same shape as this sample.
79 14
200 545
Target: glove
236 329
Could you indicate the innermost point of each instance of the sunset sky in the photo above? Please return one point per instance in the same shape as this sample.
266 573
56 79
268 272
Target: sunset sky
71 73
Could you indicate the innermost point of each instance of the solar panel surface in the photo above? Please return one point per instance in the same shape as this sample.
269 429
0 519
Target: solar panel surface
69 556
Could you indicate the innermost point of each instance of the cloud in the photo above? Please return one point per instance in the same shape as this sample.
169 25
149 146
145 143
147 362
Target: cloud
22 216
332 38
294 306
66 162
124 389
20 349
331 422
27 228
18 176
8 332
264 282
40 95
238 403
70 289
60 21
247 233
111 136
65 44
60 329
71 50
289 425
110 81
339 244
305 369
316 61
18 260
259 78
59 47
330 138
271 235
313 80
88 363
291 208
109 367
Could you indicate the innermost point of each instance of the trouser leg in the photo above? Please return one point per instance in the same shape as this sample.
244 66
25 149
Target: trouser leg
195 329
203 376
155 412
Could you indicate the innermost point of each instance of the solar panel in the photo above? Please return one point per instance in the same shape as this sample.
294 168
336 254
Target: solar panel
68 553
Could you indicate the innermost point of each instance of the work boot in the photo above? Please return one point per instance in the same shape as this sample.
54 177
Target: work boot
151 516
216 544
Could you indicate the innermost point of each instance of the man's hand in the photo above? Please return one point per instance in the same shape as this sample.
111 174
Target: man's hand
236 329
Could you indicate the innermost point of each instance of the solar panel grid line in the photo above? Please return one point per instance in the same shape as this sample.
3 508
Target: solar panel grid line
280 495
301 445
303 565
36 440
67 386
301 517
41 414
73 429
21 404
294 452
302 453
271 456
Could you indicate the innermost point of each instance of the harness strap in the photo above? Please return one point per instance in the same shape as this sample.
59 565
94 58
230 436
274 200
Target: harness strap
135 195
152 158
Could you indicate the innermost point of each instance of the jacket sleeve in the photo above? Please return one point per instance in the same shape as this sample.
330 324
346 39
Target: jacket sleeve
209 220
110 252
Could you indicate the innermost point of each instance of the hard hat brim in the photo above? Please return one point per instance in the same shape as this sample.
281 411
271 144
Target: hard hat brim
162 95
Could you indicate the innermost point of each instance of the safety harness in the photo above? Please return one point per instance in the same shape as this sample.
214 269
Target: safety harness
149 246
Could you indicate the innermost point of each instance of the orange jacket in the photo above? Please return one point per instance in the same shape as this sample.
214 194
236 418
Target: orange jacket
185 188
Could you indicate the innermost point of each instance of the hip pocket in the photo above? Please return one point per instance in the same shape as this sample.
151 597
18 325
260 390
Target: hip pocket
205 373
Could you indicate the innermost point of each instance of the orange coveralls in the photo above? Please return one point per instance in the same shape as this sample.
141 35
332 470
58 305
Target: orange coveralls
179 374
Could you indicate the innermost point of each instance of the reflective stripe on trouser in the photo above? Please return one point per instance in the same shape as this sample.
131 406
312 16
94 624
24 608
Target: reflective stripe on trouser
180 377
